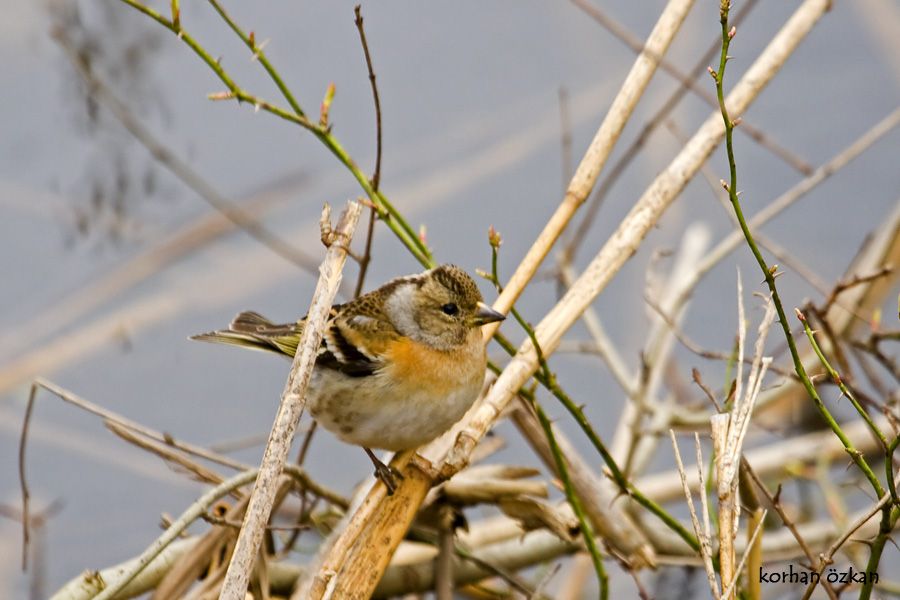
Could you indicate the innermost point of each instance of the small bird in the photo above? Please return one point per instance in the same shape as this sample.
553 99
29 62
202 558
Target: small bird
397 367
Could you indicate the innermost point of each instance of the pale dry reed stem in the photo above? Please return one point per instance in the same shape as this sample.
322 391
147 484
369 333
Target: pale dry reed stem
598 152
293 401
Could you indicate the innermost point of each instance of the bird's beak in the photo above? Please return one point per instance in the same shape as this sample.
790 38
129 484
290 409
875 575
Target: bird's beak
485 314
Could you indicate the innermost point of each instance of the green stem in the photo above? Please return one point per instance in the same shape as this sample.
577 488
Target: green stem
546 378
388 213
586 529
888 521
731 187
835 376
887 518
260 56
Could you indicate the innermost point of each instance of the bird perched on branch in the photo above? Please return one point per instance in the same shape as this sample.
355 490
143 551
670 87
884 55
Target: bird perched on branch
397 366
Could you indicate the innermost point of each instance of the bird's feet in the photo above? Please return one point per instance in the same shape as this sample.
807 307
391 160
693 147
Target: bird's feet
386 473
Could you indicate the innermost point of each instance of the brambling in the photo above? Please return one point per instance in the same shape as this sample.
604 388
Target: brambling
397 366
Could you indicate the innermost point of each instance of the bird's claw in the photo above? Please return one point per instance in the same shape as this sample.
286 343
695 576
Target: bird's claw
389 476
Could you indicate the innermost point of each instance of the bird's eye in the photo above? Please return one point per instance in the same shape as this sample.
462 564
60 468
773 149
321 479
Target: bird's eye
450 309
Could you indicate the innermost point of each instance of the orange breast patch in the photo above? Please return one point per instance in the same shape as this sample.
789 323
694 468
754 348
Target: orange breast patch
422 366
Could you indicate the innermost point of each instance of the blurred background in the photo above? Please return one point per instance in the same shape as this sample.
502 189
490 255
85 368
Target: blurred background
109 261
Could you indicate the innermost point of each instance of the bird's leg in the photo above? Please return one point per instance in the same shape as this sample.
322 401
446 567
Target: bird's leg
386 473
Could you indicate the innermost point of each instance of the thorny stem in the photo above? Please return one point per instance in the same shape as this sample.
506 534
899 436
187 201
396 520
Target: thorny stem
549 382
731 187
386 211
888 447
586 529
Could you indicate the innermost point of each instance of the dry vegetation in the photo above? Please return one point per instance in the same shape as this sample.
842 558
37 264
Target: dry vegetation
411 542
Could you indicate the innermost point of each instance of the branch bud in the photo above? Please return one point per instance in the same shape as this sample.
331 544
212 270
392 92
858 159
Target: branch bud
326 105
494 238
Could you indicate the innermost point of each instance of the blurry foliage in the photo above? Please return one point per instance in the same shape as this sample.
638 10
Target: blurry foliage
116 174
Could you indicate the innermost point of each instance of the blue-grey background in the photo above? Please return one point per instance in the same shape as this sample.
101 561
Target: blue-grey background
470 97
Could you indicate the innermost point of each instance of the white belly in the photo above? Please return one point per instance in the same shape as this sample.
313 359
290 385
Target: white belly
369 412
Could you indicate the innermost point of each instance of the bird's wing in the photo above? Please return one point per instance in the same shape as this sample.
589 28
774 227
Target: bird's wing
252 330
358 336
354 342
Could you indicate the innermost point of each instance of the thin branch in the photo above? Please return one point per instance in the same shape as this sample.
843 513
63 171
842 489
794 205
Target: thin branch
740 566
565 136
194 512
293 401
795 193
701 533
827 557
392 218
26 495
376 175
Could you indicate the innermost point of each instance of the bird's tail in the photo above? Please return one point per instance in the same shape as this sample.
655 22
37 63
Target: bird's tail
252 330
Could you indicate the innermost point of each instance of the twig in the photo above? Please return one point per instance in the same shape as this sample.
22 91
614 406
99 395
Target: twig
443 569
827 557
394 220
768 460
728 432
546 377
740 566
194 512
127 423
609 518
876 431
629 447
565 137
549 379
376 175
702 533
587 532
886 523
26 495
291 406
785 519
695 348
727 35
167 453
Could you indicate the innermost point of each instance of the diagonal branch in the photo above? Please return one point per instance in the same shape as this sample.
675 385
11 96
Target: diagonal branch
293 401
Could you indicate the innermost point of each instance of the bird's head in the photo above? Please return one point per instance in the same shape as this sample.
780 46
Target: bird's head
441 307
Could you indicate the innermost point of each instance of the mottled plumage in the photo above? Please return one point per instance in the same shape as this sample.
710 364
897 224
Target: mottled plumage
397 366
